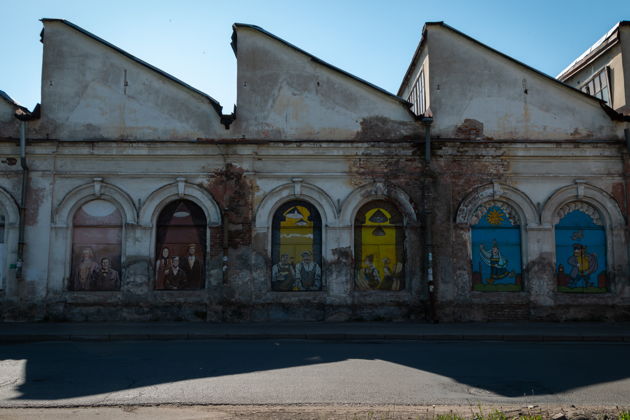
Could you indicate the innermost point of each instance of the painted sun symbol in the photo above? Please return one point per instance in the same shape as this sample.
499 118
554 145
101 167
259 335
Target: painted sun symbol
494 217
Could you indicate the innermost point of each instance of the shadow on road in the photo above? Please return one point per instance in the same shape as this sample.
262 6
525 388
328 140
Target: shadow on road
59 370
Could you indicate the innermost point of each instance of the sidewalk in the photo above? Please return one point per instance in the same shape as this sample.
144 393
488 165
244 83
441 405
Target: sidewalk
11 332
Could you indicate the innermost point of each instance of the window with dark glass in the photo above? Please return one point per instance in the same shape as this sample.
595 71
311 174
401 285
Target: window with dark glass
598 86
96 247
180 247
296 248
379 247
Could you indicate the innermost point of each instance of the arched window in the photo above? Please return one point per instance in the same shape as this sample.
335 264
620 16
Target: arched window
296 249
379 247
96 247
180 247
496 248
580 250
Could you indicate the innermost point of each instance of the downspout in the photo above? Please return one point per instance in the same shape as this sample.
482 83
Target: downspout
20 254
427 120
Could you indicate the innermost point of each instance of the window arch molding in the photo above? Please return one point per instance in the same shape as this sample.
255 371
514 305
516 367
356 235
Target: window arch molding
519 201
604 203
10 210
374 192
581 191
96 190
295 191
179 190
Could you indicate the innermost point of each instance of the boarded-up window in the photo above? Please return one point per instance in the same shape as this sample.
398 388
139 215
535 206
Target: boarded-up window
96 247
296 248
180 247
580 250
496 249
379 247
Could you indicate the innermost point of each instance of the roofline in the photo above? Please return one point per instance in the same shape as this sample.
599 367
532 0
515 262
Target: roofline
416 55
481 44
594 51
215 104
237 25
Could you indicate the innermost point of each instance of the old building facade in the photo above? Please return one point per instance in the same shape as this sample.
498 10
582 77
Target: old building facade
484 190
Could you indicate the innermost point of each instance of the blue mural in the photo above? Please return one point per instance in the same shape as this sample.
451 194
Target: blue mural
581 252
496 250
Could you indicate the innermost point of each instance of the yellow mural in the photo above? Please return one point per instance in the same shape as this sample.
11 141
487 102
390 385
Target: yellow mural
380 268
296 233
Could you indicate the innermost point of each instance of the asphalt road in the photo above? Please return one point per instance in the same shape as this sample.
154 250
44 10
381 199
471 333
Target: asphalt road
295 372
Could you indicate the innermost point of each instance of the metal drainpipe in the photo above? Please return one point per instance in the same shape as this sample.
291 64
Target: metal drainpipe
20 254
427 120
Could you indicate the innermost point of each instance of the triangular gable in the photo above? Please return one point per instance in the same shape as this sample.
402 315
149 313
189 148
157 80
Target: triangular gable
286 93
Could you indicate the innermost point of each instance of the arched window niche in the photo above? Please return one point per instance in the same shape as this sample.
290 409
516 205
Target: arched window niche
496 248
180 247
379 247
296 248
580 250
96 247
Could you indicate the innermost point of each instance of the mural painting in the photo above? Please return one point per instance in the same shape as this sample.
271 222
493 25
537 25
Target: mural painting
3 253
580 251
181 238
379 250
96 247
296 248
496 249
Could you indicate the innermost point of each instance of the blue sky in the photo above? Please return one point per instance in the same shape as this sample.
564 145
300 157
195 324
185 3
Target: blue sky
374 40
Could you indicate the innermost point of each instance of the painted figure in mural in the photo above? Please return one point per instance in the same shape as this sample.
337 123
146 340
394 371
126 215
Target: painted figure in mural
106 278
391 276
192 267
175 278
368 277
308 275
494 259
162 265
282 274
582 266
86 269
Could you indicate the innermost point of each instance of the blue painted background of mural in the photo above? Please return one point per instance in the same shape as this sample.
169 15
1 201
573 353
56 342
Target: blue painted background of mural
580 254
496 253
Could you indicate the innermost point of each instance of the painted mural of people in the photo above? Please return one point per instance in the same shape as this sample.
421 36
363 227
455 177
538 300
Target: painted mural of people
175 278
162 265
106 278
85 270
308 275
368 277
192 266
497 263
391 276
283 274
582 266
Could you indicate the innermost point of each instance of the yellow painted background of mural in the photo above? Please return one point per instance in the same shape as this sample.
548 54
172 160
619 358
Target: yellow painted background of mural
296 233
382 245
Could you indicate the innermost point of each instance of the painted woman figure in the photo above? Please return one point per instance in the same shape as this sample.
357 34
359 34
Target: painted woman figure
494 259
85 270
368 277
162 266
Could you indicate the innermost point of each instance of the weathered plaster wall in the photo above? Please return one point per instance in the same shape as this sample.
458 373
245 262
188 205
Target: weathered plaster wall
476 93
90 91
284 94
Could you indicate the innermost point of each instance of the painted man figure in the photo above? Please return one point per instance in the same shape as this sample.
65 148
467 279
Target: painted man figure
85 270
175 278
498 264
582 266
283 274
308 275
192 266
106 278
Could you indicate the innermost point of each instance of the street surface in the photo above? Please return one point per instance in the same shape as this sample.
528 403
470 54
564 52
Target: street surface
313 372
